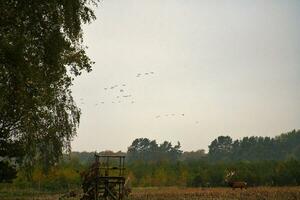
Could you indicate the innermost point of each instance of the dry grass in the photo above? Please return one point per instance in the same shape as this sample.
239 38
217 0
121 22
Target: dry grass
173 193
274 193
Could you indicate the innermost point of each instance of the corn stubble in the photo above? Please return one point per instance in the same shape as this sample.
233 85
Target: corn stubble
274 193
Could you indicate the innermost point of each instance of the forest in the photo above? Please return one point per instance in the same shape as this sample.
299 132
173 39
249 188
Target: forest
261 161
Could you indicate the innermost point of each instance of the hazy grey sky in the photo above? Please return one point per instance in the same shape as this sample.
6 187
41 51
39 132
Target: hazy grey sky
231 67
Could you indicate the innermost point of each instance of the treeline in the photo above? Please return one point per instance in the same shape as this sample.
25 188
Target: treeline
284 146
193 173
63 176
199 173
224 148
256 160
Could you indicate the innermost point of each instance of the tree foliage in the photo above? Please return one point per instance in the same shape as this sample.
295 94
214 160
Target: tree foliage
143 149
152 164
220 147
193 155
284 146
202 173
41 52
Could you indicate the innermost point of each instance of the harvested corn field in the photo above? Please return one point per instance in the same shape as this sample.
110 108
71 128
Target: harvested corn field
173 193
274 193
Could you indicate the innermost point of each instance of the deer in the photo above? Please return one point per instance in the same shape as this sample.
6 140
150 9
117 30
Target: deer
234 184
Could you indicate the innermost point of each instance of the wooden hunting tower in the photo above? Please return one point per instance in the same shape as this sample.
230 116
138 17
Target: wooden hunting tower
105 179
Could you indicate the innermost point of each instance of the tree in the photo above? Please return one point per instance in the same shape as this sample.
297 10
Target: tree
220 148
41 52
143 149
168 152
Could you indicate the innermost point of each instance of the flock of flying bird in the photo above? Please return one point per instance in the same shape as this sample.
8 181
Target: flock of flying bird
122 96
145 74
119 97
119 92
169 115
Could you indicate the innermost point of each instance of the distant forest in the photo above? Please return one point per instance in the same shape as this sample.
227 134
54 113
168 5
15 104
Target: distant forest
224 148
256 160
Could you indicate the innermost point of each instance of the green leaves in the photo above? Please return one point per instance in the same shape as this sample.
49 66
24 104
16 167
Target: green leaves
40 43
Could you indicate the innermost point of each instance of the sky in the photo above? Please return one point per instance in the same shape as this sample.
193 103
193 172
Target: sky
189 71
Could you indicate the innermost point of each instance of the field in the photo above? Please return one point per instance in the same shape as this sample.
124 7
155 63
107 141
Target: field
276 193
261 193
